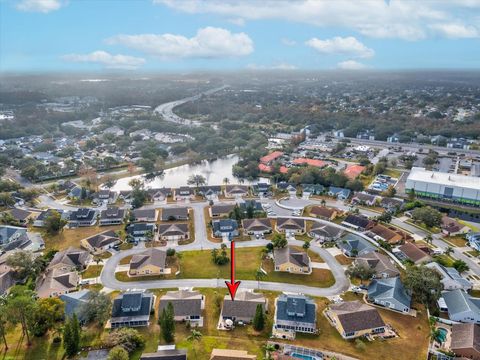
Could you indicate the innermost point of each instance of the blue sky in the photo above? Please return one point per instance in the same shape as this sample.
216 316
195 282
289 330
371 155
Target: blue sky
168 35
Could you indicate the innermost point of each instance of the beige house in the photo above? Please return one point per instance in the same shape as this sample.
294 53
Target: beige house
187 305
288 259
101 242
291 225
323 212
226 354
56 282
149 262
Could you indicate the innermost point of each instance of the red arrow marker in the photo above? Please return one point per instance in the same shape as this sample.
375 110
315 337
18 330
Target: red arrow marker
233 285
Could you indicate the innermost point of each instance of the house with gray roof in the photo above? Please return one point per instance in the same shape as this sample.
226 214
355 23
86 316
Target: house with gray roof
288 259
20 215
101 242
40 220
295 313
451 278
353 245
225 228
187 305
465 341
363 198
258 226
221 210
461 306
236 191
132 309
390 293
291 225
358 222
82 217
254 205
112 216
144 215
174 214
184 193
167 354
74 302
339 193
243 308
324 232
10 233
383 266
140 231
210 192
173 232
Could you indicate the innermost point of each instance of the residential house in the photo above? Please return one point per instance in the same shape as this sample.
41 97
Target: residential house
243 308
290 226
70 259
184 193
353 245
76 193
10 233
339 193
294 313
250 205
261 189
381 232
112 216
324 213
159 194
236 191
383 266
101 242
221 210
358 222
460 306
362 198
132 309
288 259
28 241
270 158
21 216
451 278
410 251
74 302
7 279
312 189
225 228
226 354
391 204
287 186
465 341
144 215
258 226
149 262
105 196
173 232
82 217
390 293
167 354
40 220
187 305
353 171
451 227
210 192
174 214
354 319
325 232
473 239
141 231
56 281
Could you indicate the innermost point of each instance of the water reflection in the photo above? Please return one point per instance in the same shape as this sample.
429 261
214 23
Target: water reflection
214 171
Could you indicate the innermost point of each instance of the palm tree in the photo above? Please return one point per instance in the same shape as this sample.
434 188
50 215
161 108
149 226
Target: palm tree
306 246
448 250
323 202
259 275
269 348
226 180
194 337
429 239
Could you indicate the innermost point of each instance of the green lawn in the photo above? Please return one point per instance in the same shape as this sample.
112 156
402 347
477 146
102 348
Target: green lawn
92 271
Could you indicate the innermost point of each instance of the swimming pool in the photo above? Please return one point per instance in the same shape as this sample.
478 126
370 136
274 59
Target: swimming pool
442 335
304 357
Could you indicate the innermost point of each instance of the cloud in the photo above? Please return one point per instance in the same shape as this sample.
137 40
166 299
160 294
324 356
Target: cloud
341 45
108 60
43 6
209 42
288 42
237 21
351 65
280 66
403 19
456 31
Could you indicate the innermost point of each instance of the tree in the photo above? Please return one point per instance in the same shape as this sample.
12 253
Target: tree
226 181
259 318
429 239
362 272
22 262
427 215
197 180
6 199
449 250
147 165
259 275
4 319
269 348
128 338
194 338
54 222
461 266
279 241
390 192
45 314
306 246
19 307
71 336
386 217
118 353
167 323
97 307
424 283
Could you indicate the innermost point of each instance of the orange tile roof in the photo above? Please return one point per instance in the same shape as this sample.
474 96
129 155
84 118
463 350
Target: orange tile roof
270 157
311 162
352 171
283 169
264 168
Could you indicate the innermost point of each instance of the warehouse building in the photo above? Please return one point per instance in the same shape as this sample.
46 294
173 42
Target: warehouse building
444 186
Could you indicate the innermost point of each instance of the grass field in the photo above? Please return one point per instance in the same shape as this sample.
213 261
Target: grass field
343 260
92 271
72 237
456 240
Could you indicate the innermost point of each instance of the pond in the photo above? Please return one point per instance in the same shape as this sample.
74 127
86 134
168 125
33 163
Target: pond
214 171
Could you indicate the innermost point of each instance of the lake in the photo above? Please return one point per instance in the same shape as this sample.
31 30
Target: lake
214 171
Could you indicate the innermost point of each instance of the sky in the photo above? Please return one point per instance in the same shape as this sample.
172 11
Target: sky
185 35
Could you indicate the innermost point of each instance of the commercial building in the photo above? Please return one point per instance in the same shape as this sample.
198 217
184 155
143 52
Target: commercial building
444 186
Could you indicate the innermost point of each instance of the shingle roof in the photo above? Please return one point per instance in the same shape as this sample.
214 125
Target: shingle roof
165 355
20 214
263 224
151 256
459 301
325 230
290 255
103 239
173 229
296 308
323 211
465 336
244 306
184 302
379 262
356 316
290 223
357 220
389 288
168 213
144 213
222 208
